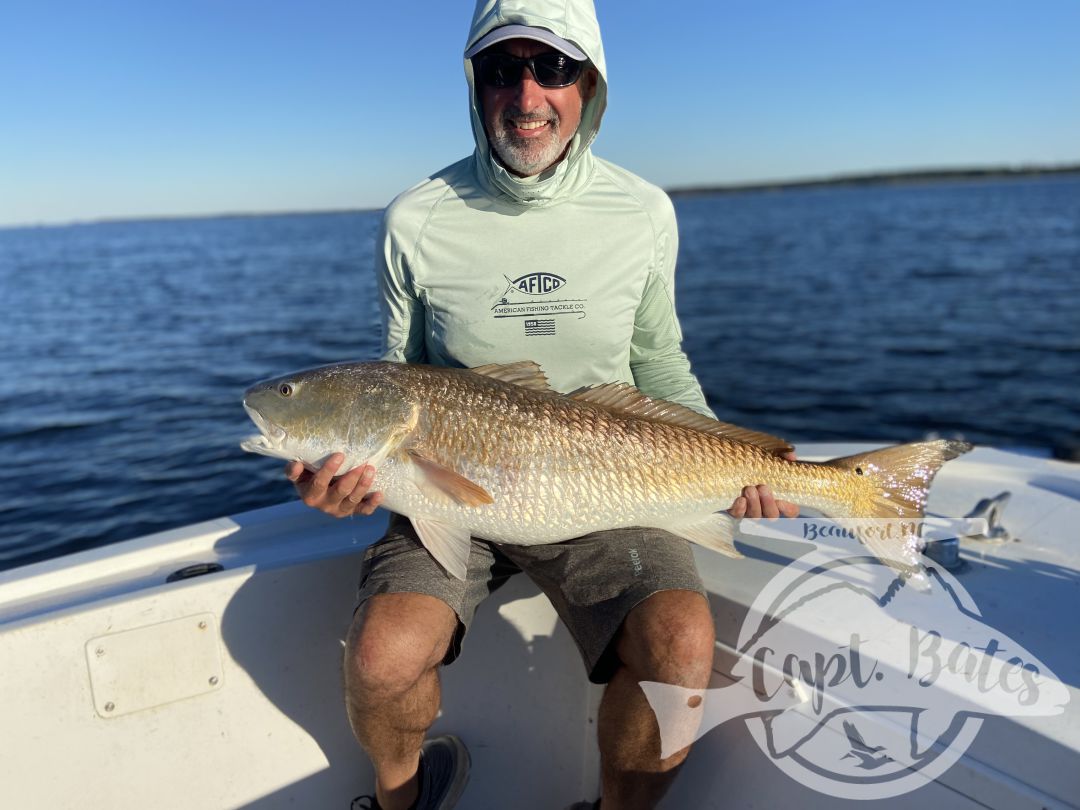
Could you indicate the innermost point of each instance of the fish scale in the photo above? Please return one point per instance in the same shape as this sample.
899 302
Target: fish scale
490 454
541 440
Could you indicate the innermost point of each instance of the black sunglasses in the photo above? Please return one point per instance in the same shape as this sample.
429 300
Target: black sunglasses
551 69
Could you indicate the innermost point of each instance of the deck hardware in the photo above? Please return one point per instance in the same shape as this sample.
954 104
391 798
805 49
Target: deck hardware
194 570
946 552
990 509
154 665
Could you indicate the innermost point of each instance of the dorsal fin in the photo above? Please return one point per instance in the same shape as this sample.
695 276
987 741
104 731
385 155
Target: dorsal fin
624 398
525 373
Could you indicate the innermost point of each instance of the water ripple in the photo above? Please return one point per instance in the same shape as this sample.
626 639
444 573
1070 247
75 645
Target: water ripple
878 313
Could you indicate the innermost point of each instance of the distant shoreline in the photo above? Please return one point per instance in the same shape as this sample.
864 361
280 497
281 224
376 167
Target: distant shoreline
858 180
896 178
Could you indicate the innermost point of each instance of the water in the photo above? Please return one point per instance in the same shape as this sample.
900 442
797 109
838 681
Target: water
889 312
876 313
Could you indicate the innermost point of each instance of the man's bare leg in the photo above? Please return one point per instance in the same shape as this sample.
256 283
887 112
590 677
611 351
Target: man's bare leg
667 638
395 645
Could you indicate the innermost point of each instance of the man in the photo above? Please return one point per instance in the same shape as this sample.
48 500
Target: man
532 248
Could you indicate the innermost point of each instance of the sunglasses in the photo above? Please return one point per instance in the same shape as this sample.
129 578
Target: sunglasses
551 69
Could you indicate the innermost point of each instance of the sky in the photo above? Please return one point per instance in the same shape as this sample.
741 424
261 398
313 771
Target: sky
120 109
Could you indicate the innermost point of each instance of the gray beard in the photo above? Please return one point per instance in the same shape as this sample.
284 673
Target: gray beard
528 156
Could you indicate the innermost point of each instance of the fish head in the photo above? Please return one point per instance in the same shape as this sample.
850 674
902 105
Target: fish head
353 408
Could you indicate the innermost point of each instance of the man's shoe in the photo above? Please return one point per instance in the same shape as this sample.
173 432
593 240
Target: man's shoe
444 772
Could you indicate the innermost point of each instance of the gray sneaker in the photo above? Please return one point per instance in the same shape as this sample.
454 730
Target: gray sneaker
444 772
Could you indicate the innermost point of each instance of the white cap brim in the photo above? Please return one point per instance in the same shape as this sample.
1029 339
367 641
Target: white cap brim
526 32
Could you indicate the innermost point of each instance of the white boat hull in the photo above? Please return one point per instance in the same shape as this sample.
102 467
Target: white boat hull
236 698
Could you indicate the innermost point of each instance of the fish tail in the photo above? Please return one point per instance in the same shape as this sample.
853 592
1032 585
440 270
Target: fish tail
897 482
900 476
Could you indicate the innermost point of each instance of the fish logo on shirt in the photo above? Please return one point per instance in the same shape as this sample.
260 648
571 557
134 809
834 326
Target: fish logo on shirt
527 297
539 283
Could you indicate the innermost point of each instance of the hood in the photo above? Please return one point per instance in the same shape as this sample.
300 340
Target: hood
575 21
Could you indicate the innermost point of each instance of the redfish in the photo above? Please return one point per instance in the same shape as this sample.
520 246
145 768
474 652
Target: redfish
492 452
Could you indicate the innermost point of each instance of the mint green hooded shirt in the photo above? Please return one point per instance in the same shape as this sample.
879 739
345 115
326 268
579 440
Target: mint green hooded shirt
573 269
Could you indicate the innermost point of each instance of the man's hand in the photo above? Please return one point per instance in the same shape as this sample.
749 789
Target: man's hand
758 502
348 495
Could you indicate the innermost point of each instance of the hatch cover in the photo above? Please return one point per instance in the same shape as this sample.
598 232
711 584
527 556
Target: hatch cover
150 666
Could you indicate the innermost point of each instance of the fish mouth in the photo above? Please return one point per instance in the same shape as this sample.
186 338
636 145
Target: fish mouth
270 436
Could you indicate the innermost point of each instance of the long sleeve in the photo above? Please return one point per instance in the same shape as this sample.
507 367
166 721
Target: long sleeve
402 310
660 367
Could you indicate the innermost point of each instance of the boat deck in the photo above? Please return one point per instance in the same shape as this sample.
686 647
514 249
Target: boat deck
120 689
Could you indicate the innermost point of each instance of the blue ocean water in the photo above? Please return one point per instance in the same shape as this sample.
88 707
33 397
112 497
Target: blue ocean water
881 313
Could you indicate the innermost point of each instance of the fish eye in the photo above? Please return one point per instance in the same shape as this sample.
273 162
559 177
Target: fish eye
858 470
285 390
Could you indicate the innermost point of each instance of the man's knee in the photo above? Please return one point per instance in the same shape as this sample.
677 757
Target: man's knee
394 639
669 637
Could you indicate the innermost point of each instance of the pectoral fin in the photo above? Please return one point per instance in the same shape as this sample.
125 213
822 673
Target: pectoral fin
715 531
449 545
435 479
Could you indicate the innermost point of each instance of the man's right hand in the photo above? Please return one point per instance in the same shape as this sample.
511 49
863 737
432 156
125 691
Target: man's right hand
348 495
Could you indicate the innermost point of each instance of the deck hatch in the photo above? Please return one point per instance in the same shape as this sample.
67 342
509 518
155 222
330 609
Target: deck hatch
150 666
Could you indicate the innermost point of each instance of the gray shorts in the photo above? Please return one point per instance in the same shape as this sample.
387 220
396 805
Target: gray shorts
593 581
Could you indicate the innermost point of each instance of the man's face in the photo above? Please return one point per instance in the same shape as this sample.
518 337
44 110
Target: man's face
528 126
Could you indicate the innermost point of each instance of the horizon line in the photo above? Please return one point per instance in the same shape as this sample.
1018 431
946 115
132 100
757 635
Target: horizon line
912 175
864 178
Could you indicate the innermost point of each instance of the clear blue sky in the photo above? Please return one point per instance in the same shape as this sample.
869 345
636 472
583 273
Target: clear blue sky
121 108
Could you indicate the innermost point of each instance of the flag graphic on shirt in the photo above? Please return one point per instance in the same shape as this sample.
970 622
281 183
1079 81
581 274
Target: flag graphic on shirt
540 326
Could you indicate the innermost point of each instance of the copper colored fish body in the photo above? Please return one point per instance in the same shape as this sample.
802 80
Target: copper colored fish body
493 453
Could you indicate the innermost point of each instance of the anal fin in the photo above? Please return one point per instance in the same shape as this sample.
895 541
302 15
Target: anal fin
715 531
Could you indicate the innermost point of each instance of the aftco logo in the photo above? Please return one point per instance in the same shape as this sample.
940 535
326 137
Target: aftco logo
537 283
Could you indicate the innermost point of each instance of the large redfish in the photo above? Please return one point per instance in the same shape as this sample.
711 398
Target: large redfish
492 452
